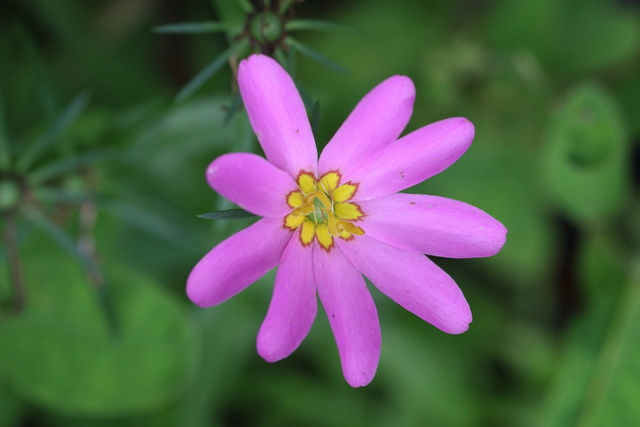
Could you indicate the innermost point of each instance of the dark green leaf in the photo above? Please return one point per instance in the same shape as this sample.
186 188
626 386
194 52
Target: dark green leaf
196 27
315 119
68 165
58 195
284 6
5 152
236 103
246 6
316 25
44 86
70 113
227 214
210 70
138 215
312 54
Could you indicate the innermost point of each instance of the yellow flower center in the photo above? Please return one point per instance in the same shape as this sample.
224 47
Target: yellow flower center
321 208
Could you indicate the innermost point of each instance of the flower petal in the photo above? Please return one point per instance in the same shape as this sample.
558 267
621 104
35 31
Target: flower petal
414 158
251 182
433 225
411 280
378 120
237 262
277 115
294 303
352 314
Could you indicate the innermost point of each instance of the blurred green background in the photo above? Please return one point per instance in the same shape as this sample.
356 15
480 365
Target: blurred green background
102 176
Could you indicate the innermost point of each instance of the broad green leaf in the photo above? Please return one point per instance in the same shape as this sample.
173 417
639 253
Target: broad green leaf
196 27
10 408
318 57
210 70
227 214
68 115
58 353
316 25
586 156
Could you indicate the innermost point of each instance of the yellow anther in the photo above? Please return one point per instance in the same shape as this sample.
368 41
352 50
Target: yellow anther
320 196
332 225
302 210
350 228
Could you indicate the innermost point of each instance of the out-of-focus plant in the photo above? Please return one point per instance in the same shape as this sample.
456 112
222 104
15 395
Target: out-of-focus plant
37 184
264 27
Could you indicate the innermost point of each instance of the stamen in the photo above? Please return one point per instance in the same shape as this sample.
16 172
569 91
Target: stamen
302 210
320 196
349 227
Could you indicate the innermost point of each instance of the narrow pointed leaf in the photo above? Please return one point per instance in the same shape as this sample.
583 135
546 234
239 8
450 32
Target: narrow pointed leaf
5 152
227 214
236 103
315 119
70 164
291 63
317 25
62 239
143 218
209 71
70 113
284 6
245 5
318 57
60 196
196 27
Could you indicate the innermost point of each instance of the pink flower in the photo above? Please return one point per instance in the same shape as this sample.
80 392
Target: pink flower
329 221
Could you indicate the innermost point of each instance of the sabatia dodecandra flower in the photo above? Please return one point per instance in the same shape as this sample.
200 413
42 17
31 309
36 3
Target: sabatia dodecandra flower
329 221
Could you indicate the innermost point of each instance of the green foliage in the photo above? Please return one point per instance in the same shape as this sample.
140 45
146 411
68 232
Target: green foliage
99 198
599 365
587 148
61 354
